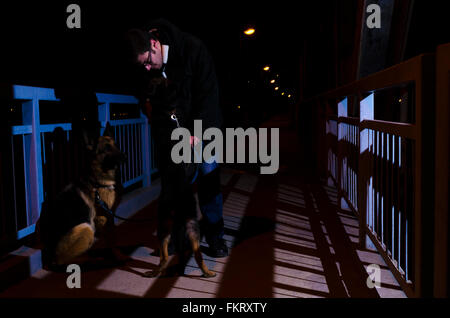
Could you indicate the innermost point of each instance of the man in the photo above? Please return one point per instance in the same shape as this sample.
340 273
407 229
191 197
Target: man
185 62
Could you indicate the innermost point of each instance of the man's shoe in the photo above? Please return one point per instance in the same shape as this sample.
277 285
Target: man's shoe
218 248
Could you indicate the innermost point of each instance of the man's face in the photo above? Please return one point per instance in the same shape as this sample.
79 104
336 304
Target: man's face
153 58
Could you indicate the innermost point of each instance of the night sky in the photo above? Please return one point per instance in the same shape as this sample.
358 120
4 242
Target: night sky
38 46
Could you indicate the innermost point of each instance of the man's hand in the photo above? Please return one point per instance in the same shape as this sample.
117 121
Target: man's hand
194 141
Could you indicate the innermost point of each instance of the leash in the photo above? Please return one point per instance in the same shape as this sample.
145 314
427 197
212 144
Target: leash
104 206
173 117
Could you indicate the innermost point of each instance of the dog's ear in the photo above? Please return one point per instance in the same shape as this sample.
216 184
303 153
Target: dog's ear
108 131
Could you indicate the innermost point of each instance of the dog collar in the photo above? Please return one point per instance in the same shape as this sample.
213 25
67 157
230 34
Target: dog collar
102 203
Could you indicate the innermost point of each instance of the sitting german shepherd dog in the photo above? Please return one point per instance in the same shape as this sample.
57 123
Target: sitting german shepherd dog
68 225
177 214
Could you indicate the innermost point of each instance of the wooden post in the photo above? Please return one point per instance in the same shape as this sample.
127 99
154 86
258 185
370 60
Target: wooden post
366 111
441 237
342 112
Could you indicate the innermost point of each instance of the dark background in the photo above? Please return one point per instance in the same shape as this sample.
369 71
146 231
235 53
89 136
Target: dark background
38 44
38 49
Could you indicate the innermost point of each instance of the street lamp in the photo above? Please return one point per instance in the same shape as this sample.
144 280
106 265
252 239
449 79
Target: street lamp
249 31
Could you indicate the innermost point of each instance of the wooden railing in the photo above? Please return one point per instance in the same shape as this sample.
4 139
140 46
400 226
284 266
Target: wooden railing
384 169
442 187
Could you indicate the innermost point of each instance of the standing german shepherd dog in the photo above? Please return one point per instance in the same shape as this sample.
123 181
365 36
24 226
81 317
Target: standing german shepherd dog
68 225
177 209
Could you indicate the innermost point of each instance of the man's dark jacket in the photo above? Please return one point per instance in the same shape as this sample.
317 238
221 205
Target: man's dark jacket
191 69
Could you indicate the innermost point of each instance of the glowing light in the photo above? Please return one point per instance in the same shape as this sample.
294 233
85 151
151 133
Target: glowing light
277 88
266 68
272 81
249 31
239 106
282 94
289 96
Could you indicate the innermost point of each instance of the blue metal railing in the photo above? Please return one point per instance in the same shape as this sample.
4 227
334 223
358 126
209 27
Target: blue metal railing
133 138
29 162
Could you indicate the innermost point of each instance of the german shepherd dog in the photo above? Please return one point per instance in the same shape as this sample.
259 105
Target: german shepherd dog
177 214
68 226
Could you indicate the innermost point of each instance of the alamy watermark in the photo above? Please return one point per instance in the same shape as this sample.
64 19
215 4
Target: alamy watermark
235 146
373 21
73 21
74 279
374 279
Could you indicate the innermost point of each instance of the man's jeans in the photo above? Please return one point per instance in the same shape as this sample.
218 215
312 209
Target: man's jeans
210 200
